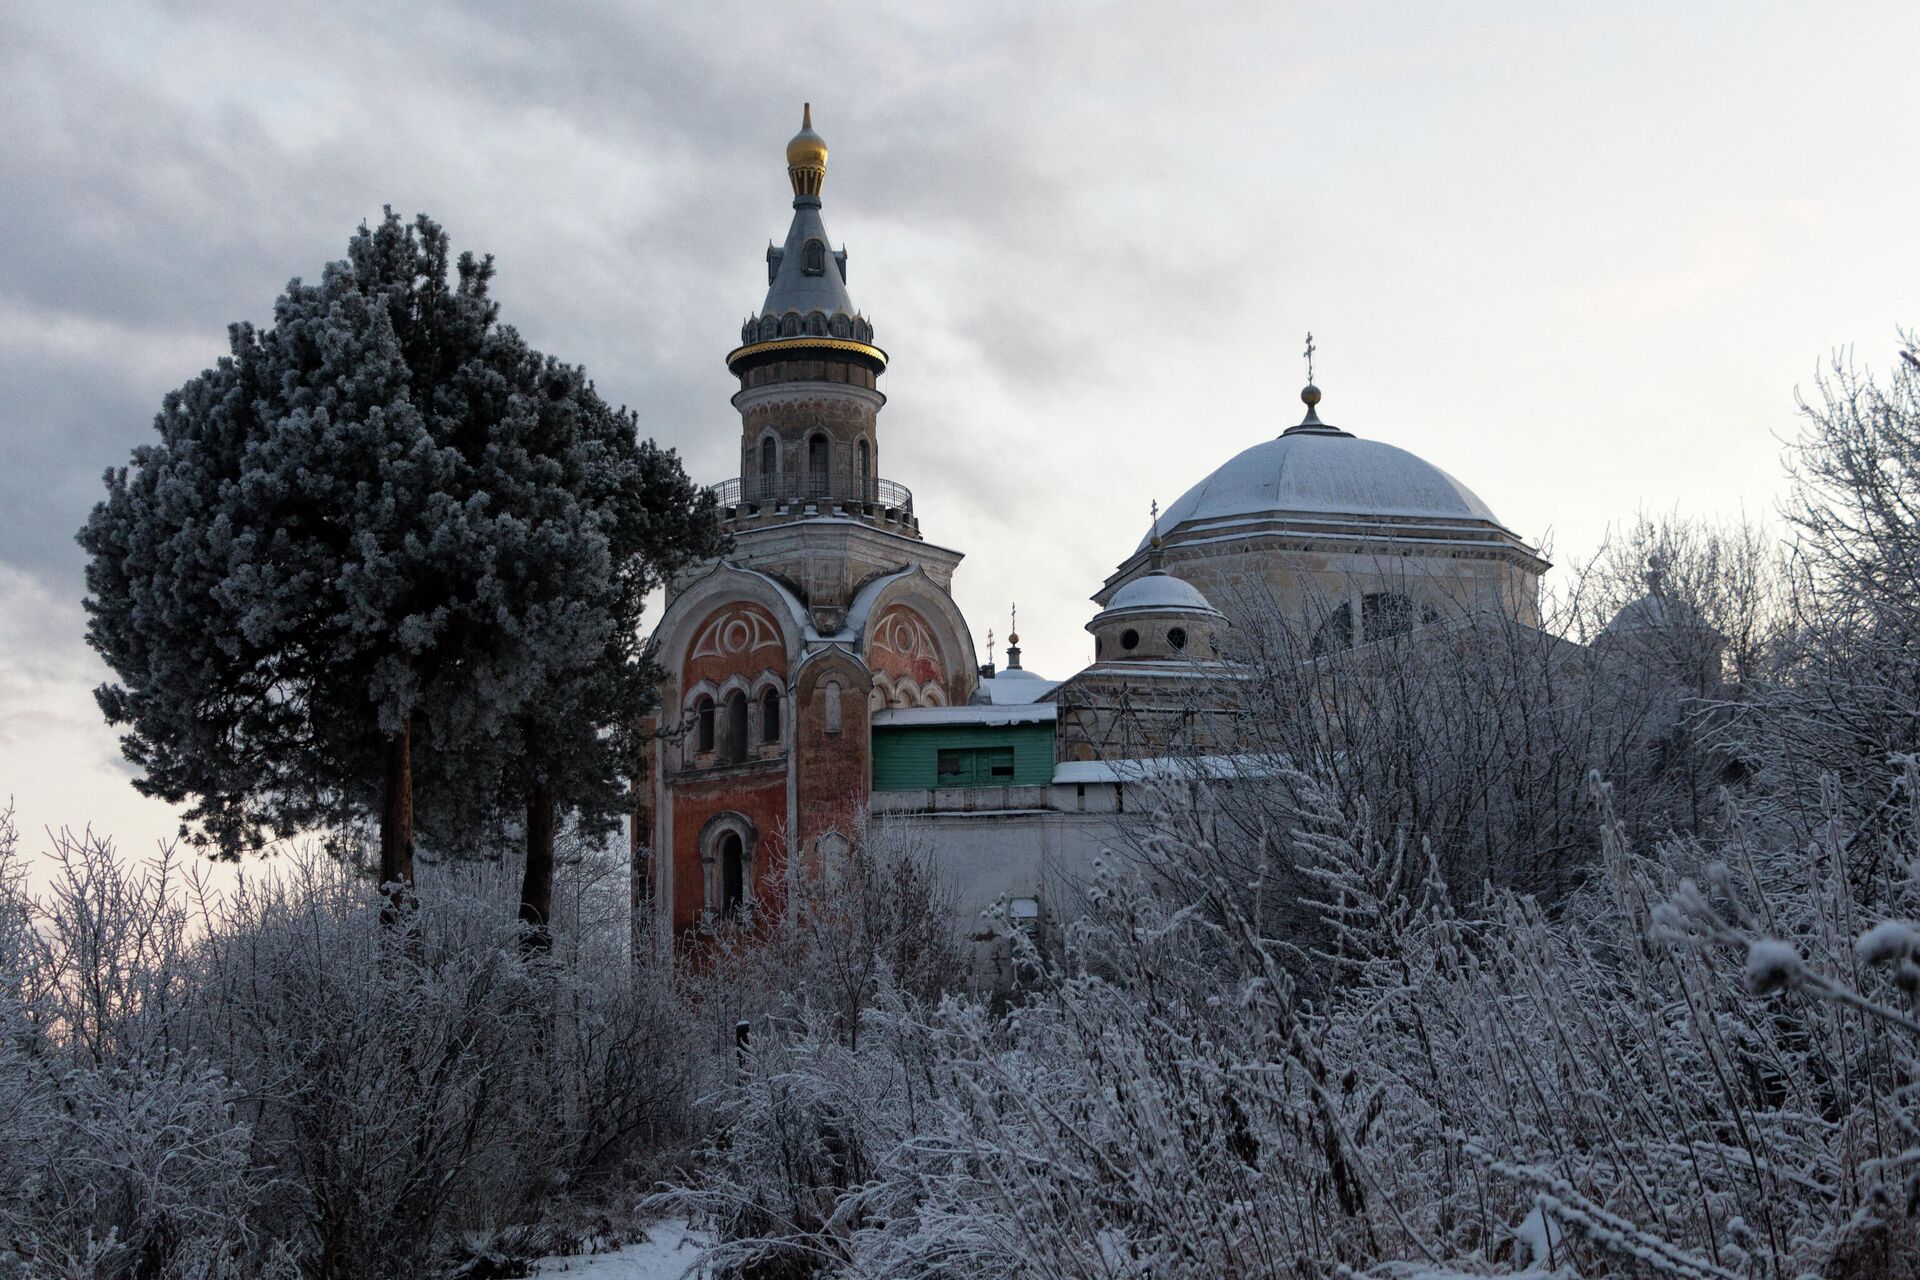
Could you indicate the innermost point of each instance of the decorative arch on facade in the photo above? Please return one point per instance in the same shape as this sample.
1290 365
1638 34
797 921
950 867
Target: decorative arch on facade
728 624
903 649
735 644
834 678
913 633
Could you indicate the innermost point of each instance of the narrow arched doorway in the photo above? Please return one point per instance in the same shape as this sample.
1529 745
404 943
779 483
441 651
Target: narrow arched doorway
733 876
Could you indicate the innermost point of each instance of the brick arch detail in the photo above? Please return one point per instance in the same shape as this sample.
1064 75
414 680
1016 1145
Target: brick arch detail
905 650
738 639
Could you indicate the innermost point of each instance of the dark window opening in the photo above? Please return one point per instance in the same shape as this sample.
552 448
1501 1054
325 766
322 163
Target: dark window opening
736 727
769 459
770 716
866 467
703 724
1177 637
1336 633
816 259
974 767
733 876
1385 613
1129 639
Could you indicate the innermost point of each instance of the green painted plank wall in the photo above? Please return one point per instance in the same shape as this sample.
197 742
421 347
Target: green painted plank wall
906 758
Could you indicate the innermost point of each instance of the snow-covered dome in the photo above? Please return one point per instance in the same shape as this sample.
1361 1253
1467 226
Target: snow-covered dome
1324 472
1159 592
1656 612
1155 617
1015 687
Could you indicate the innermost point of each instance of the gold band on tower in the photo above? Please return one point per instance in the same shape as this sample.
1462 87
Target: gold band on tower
807 157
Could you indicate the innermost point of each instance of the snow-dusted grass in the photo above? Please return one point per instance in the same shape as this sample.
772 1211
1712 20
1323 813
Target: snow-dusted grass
670 1251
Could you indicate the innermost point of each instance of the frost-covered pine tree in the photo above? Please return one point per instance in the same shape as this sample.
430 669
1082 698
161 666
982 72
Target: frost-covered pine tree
572 742
366 543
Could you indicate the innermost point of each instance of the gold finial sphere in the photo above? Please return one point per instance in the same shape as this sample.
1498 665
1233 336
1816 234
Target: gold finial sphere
1310 395
807 157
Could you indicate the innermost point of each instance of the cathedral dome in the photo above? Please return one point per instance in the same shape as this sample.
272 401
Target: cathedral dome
1323 473
1322 519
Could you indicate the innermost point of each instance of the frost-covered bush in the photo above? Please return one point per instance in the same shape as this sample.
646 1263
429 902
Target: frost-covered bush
122 1150
871 914
1705 1066
275 1082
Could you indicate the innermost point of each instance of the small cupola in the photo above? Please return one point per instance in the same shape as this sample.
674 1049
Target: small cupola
807 158
1156 617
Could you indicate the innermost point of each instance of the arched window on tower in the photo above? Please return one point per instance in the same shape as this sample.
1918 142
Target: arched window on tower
736 745
733 875
703 724
817 466
770 716
865 467
816 259
769 467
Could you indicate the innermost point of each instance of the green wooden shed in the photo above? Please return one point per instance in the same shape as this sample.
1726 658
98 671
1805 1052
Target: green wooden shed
925 748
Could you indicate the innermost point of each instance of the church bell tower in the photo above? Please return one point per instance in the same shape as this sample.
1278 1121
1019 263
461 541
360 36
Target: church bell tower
829 610
809 404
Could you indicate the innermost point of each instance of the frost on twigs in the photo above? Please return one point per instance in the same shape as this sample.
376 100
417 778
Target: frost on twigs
1772 966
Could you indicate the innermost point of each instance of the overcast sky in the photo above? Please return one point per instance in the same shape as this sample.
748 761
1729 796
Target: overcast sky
1578 255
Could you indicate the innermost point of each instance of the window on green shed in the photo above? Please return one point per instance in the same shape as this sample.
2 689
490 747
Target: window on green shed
974 767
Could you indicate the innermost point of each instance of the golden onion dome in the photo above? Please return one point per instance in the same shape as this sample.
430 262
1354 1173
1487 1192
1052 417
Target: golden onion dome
807 157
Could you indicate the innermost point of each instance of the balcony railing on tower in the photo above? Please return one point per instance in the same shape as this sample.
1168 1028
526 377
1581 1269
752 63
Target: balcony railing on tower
816 490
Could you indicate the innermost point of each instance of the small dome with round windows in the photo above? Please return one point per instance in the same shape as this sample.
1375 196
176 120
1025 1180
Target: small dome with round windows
1155 617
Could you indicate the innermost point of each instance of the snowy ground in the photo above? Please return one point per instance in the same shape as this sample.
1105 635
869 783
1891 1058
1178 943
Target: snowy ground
669 1252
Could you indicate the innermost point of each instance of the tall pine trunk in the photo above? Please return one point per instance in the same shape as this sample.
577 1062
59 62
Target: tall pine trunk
396 822
536 886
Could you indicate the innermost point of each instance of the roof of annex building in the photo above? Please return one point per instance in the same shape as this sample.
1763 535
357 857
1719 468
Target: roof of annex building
971 713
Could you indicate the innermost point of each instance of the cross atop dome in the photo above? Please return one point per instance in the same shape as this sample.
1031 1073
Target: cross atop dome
1310 396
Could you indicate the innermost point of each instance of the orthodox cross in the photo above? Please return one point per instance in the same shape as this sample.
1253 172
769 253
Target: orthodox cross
989 646
1309 353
